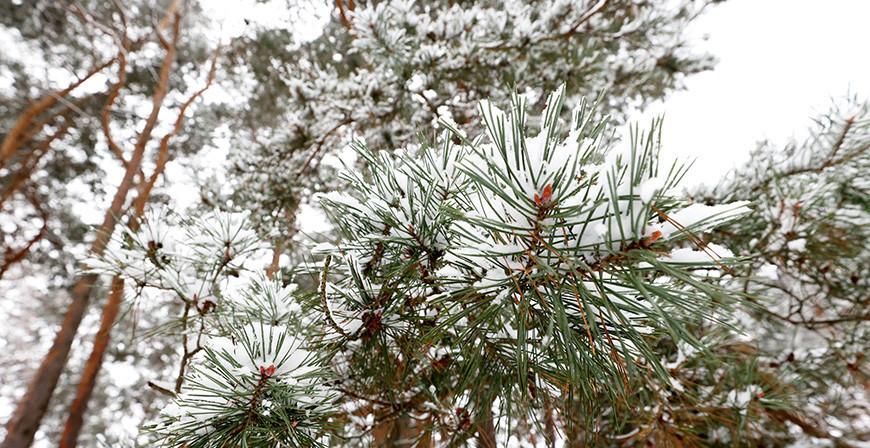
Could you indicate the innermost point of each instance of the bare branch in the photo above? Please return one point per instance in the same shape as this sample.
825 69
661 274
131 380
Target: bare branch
11 257
13 140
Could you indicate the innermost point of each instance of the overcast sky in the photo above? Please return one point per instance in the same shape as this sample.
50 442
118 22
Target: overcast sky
779 62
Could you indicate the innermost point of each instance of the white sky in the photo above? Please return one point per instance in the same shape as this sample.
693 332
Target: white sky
780 61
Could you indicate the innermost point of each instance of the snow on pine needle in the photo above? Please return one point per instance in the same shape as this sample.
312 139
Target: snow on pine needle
533 255
198 259
243 374
563 257
256 387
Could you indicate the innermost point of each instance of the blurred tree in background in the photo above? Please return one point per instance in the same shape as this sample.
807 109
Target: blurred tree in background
87 121
808 277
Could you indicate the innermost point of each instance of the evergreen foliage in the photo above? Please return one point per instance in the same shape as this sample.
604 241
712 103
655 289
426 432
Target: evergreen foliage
501 268
478 281
808 274
385 71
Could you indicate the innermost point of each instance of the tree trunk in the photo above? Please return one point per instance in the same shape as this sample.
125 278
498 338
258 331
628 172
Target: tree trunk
485 437
92 368
32 406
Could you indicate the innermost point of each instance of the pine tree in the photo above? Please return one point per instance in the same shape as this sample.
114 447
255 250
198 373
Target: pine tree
494 278
808 275
283 119
481 285
58 142
383 71
254 380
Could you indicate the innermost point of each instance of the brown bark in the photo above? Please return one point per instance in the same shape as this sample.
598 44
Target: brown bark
110 101
30 162
397 432
485 436
34 403
276 259
342 13
92 367
18 133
